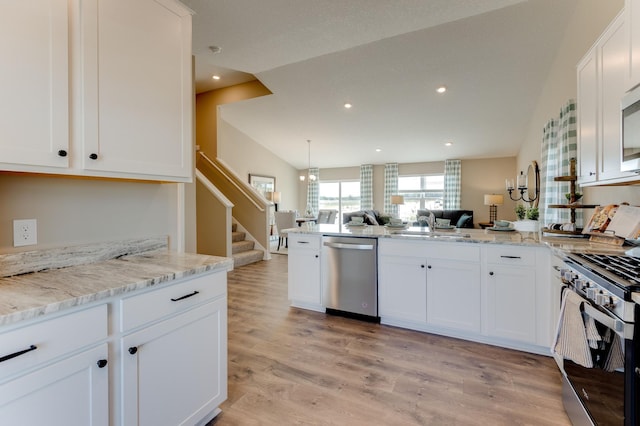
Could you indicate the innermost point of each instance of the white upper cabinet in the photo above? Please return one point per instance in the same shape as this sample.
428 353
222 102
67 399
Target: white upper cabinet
34 117
602 75
632 10
97 88
136 82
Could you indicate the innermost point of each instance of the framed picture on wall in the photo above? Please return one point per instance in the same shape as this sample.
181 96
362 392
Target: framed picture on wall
262 184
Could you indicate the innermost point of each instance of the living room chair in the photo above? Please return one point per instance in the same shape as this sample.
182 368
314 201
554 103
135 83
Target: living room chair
327 216
284 221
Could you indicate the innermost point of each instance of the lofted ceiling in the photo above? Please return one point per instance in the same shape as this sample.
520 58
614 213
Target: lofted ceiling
386 58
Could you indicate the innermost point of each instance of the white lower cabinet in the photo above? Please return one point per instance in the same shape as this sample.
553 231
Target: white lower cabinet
453 294
70 392
429 284
305 271
56 371
160 354
402 288
492 293
174 372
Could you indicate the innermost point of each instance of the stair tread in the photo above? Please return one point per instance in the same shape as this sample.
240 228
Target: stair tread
242 246
247 257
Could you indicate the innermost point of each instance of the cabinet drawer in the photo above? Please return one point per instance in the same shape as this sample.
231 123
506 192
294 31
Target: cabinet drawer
511 255
469 252
51 338
155 304
304 242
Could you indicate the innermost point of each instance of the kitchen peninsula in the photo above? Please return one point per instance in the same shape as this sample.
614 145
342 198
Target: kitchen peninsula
487 286
125 330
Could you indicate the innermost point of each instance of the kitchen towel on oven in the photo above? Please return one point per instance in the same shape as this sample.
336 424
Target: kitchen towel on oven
571 337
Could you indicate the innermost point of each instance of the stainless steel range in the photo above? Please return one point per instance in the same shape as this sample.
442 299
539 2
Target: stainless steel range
606 392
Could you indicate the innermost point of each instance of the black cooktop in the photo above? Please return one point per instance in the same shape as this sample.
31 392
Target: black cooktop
621 270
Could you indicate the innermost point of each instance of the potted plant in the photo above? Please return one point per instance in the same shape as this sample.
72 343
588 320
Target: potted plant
527 218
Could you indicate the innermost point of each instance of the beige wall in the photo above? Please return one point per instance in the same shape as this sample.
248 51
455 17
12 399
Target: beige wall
479 177
590 19
73 211
245 156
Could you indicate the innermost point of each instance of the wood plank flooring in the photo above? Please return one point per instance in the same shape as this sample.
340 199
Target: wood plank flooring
294 367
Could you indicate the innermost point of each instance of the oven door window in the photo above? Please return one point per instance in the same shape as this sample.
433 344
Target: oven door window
601 388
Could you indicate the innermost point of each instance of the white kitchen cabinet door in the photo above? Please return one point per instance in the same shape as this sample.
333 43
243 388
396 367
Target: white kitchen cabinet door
614 58
402 288
34 82
137 90
588 118
453 294
632 11
305 275
511 302
175 372
71 392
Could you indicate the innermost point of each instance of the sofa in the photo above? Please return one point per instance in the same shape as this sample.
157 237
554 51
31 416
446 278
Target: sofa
458 218
371 217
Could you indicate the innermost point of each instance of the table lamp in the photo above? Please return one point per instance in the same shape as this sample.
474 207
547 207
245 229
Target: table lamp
493 200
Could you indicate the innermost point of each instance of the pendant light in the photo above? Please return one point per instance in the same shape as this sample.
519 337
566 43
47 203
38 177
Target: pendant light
310 177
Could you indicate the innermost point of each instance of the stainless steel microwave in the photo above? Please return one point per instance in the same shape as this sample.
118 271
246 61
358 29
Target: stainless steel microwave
630 131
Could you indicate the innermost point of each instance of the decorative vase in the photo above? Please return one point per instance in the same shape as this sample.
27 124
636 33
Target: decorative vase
526 225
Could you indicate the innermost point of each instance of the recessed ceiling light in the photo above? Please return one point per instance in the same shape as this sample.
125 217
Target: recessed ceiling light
347 105
216 77
215 49
378 150
441 89
448 143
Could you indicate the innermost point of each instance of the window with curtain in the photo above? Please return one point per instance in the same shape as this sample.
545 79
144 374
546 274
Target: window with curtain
452 182
420 192
343 196
390 187
559 145
366 187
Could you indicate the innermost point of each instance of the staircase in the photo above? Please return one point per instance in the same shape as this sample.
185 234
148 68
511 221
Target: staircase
242 250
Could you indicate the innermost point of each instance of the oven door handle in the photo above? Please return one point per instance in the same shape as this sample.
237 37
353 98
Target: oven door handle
624 330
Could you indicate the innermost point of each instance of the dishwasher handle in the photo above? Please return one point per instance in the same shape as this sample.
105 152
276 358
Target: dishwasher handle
349 246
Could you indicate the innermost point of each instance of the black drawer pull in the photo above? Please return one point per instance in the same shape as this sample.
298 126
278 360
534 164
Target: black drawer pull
16 354
510 257
186 296
62 153
132 350
93 156
102 363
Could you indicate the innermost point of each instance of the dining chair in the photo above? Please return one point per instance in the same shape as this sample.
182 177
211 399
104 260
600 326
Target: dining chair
284 221
327 216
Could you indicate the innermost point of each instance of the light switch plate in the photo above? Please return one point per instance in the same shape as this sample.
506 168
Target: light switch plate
25 232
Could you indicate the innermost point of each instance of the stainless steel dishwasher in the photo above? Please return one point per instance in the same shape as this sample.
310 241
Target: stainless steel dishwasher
351 280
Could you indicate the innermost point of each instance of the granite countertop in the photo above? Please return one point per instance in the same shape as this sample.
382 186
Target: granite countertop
41 282
558 244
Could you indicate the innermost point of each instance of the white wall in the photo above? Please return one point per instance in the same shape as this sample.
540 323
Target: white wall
245 156
590 19
73 211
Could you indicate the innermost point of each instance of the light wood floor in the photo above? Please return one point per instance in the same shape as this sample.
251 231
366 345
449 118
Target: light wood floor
289 366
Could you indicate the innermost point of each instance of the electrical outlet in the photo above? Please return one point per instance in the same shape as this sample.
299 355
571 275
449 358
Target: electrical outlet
25 232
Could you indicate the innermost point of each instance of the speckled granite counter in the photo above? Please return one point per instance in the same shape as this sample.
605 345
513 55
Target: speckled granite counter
557 244
72 276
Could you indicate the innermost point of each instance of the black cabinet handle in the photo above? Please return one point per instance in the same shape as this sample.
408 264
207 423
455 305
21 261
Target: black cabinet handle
133 350
93 156
317 256
185 296
17 354
429 267
62 153
491 273
102 363
422 266
510 257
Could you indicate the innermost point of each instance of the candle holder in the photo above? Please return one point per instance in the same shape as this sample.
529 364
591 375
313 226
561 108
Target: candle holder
522 186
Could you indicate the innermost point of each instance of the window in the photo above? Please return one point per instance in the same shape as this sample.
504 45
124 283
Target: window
343 196
420 192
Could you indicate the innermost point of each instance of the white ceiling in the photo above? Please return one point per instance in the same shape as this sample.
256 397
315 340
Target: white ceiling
386 57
